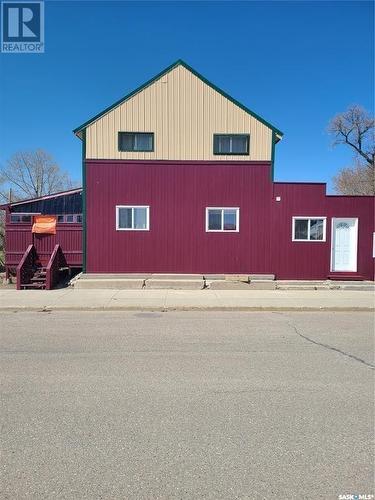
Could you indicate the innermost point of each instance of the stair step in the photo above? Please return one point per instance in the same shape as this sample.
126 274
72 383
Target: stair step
34 285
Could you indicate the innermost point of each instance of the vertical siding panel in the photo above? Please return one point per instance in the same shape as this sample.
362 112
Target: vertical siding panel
184 113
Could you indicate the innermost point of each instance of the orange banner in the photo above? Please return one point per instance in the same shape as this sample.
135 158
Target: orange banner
44 224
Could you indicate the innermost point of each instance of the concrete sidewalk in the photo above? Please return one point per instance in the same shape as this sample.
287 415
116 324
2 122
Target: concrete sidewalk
171 300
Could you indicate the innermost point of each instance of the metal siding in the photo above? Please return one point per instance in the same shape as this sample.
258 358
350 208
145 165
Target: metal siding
178 194
19 236
184 113
311 260
64 204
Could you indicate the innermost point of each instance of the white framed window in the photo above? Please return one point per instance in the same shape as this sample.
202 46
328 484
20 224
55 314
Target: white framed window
309 228
69 218
22 217
132 218
222 219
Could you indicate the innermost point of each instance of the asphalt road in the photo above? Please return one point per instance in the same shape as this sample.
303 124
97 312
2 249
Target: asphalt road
186 405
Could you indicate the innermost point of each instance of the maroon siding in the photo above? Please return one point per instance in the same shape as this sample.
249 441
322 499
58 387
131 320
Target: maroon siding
19 236
312 260
178 194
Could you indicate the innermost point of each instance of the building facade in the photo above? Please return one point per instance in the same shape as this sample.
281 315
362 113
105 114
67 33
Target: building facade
178 178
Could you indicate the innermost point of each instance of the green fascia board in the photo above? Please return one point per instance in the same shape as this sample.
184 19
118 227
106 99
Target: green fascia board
179 62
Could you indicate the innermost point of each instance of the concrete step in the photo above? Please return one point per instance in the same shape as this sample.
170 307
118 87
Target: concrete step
301 285
115 284
174 284
261 277
353 285
240 285
217 284
114 276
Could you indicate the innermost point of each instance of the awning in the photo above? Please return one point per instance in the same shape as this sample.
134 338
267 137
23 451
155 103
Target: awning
44 224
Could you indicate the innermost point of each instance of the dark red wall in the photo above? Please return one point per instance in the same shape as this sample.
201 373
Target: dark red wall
178 194
19 237
312 260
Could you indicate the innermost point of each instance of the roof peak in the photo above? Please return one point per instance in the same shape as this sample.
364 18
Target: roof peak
178 62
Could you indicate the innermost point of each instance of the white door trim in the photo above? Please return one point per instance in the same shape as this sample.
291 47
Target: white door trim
334 219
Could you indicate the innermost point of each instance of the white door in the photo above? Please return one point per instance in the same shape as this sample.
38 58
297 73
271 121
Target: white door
344 244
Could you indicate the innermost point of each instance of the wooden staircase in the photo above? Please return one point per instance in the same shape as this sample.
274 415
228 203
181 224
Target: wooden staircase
32 275
37 281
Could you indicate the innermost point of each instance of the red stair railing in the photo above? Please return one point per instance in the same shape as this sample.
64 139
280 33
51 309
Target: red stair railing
56 262
26 268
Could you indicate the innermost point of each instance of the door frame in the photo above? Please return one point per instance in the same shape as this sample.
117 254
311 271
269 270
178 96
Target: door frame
355 243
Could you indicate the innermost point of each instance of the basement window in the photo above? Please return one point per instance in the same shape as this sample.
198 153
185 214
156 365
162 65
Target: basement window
136 141
231 144
309 229
132 218
222 219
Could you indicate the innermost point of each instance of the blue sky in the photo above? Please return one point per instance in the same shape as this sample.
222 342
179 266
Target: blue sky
296 64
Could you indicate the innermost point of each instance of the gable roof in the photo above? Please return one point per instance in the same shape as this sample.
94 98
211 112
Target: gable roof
77 131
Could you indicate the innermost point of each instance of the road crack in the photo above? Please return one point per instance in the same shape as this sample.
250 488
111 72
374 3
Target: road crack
329 347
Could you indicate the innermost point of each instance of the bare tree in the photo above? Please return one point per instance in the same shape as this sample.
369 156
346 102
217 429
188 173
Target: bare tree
31 174
355 128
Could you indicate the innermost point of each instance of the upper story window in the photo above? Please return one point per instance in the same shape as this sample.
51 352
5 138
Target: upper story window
231 144
222 219
132 218
136 141
309 229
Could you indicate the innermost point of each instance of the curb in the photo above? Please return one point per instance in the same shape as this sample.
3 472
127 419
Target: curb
189 308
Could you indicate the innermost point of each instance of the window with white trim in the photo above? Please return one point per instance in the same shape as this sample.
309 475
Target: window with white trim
20 218
222 219
132 218
309 229
69 218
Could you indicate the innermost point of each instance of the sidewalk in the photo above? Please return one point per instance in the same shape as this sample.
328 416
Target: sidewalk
170 300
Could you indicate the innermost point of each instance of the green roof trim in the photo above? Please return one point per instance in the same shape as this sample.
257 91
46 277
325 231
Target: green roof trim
179 62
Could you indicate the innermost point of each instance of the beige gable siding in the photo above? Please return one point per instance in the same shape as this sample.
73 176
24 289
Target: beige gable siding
184 113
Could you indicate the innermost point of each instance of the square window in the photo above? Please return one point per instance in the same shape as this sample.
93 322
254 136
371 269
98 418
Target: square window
136 141
79 218
222 219
69 218
15 218
132 218
61 218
